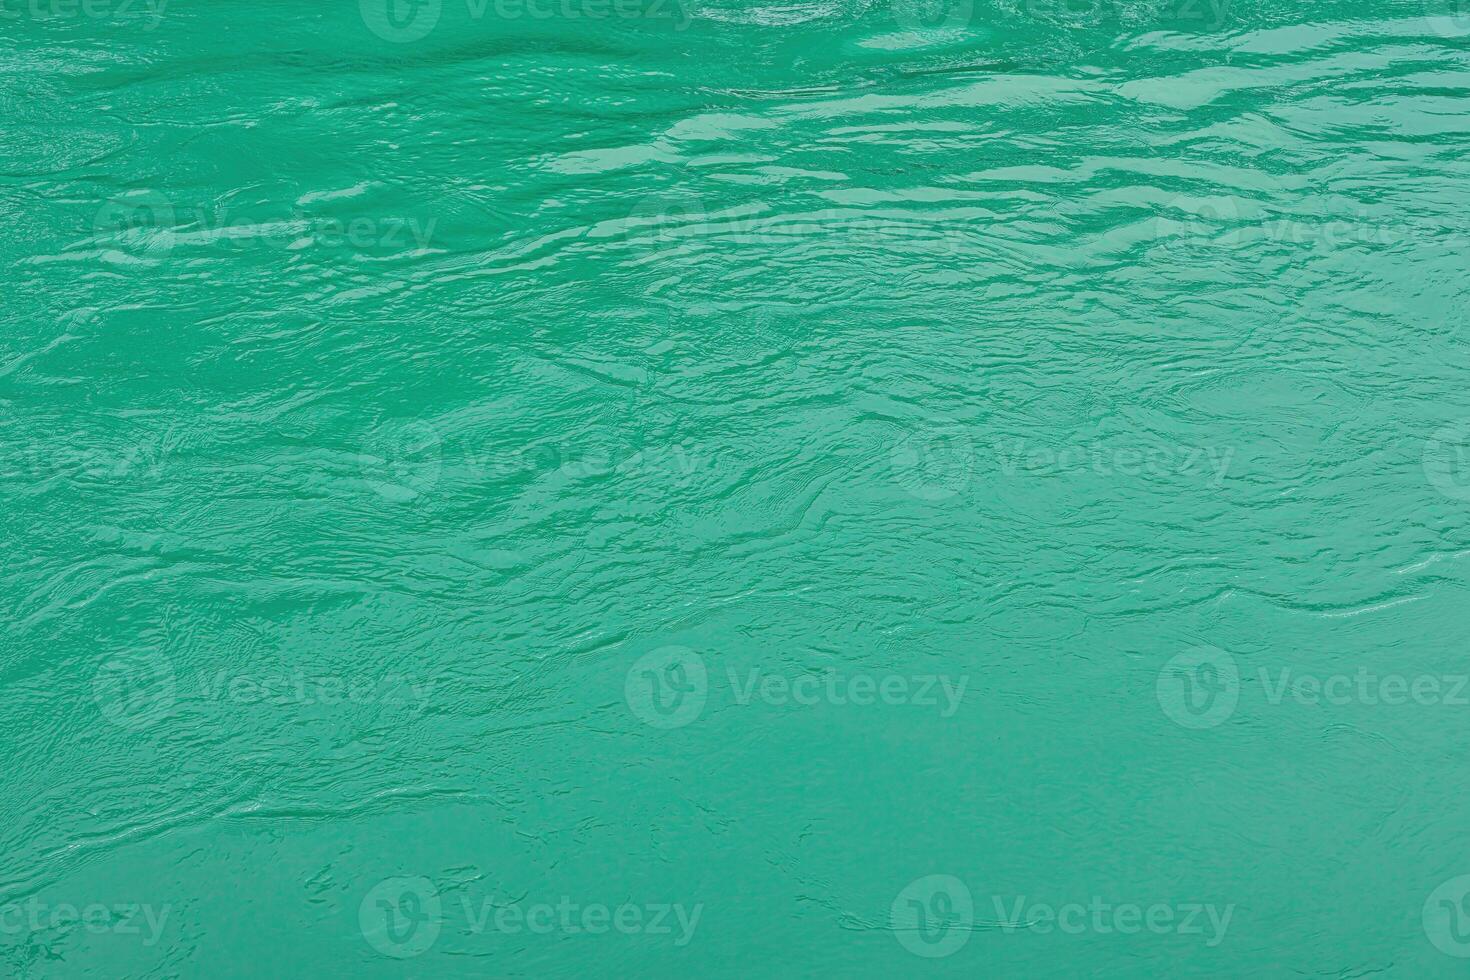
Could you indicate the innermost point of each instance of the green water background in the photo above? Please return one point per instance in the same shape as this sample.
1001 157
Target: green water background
418 428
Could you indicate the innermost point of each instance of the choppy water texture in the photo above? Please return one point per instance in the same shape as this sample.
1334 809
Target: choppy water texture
668 488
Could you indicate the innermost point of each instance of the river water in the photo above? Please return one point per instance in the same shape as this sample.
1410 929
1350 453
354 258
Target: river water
719 488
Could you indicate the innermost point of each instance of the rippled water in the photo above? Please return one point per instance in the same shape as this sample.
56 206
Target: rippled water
679 488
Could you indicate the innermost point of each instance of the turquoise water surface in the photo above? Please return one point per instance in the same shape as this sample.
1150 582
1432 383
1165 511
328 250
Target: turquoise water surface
716 488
